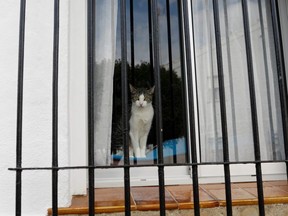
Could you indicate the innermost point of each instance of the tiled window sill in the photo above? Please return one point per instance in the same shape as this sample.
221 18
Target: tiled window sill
109 200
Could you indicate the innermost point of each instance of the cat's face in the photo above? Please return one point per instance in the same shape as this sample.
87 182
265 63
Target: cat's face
141 97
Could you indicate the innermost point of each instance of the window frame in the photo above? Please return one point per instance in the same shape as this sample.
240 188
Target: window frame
78 119
77 88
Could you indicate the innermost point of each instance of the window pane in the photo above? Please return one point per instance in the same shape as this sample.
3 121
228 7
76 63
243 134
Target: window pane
283 10
140 75
266 81
236 82
238 106
105 46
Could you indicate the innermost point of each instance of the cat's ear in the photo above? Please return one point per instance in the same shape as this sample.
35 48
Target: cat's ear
151 90
132 89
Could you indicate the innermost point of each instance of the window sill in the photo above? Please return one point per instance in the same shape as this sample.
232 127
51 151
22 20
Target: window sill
108 200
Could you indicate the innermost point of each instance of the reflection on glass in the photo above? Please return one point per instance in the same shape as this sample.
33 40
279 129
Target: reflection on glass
105 42
267 89
283 12
236 81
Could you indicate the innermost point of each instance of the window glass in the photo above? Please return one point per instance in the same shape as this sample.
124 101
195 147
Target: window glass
283 12
140 75
238 105
266 81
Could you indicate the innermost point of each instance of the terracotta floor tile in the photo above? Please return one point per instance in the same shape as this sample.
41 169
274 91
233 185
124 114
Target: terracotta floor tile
216 186
268 192
106 200
111 198
239 196
284 188
147 198
183 194
272 193
250 184
278 183
79 201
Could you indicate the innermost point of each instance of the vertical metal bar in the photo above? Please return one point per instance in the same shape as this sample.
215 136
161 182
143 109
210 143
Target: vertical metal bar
267 80
125 114
151 54
90 70
55 110
18 206
254 117
217 138
222 106
233 112
184 76
281 74
170 59
186 49
132 41
158 104
169 39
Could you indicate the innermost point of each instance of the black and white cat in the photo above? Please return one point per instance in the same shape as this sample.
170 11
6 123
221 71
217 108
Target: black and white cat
140 122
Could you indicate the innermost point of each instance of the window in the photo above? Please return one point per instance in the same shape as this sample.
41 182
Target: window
206 84
236 81
238 101
140 74
108 106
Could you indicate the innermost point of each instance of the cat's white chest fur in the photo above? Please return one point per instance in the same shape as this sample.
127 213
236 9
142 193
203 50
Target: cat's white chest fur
140 125
141 117
141 120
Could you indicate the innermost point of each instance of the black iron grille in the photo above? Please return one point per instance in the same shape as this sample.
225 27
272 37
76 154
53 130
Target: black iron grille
185 9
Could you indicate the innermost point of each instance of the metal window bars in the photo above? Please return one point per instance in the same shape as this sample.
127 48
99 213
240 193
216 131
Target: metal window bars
222 107
253 106
91 56
186 59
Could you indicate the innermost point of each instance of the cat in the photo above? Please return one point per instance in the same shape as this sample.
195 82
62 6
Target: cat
140 122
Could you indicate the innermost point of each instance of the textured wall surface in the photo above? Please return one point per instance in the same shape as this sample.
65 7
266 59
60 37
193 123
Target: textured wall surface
37 112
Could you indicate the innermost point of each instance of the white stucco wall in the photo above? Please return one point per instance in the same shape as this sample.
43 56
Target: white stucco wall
37 113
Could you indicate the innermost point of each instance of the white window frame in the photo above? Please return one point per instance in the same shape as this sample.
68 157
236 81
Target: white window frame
77 95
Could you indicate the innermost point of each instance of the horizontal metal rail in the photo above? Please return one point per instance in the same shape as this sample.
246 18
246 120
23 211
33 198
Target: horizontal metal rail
147 165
